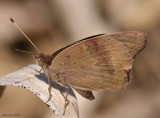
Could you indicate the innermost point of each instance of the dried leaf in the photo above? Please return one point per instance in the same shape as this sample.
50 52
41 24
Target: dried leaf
29 78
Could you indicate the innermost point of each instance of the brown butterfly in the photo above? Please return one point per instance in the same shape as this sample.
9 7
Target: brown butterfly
94 63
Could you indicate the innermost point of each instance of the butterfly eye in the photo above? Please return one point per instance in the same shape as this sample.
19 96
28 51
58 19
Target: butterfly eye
44 59
39 60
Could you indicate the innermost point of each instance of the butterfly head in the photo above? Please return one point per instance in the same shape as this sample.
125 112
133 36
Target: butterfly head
42 59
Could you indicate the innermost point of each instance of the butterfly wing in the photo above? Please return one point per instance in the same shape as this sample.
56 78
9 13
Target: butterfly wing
100 62
134 41
87 94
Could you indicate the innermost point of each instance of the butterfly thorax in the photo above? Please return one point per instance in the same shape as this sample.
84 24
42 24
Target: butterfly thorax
42 59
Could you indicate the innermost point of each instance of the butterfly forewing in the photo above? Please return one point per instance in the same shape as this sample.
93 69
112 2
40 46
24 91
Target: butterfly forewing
134 41
101 62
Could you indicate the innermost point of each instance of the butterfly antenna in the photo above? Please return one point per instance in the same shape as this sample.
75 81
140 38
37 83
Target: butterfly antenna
22 51
12 20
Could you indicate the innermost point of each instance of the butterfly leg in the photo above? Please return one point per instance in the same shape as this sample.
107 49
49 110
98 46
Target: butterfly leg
49 90
40 70
66 100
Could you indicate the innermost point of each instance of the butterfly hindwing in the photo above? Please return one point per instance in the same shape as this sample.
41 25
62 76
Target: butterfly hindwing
87 94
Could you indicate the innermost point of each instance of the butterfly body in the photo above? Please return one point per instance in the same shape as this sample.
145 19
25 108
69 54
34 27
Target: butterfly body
96 63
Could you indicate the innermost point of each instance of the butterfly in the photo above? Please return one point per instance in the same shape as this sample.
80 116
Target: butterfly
94 63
